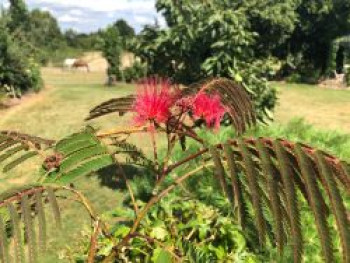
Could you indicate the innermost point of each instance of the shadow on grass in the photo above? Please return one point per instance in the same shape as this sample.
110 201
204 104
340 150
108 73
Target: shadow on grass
112 176
141 181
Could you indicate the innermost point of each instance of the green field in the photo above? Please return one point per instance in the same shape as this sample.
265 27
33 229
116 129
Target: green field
325 108
61 108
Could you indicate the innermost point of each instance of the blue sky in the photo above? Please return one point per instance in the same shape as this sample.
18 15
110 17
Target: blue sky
90 15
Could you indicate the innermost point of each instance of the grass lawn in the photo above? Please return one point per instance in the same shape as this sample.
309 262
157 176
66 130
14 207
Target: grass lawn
61 108
325 108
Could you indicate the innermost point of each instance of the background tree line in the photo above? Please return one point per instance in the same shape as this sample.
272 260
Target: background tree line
214 37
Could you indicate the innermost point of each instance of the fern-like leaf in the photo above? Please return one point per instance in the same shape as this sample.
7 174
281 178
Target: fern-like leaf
292 202
17 233
278 173
220 171
80 154
29 229
39 209
4 255
272 185
120 105
252 177
133 154
337 205
22 205
17 148
236 186
314 193
233 96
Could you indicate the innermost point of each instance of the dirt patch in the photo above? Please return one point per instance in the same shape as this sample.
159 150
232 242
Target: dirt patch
12 106
336 83
98 63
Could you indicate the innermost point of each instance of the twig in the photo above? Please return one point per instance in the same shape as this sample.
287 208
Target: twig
155 154
93 243
155 241
90 210
121 170
115 132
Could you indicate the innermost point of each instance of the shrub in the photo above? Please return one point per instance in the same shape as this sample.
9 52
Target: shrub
294 78
347 77
309 76
135 73
17 67
200 232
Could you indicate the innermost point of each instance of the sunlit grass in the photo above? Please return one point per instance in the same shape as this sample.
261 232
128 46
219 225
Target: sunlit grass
324 108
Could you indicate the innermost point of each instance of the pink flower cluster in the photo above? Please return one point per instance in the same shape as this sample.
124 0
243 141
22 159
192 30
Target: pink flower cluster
208 108
155 100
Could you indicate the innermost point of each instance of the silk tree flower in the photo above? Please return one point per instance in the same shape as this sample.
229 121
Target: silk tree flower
153 102
209 108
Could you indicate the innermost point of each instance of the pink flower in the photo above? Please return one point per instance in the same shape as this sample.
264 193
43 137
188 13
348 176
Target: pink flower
153 102
209 108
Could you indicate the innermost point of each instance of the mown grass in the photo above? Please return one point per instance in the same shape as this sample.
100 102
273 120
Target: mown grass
325 108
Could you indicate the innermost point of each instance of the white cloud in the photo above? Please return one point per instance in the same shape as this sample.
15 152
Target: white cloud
47 9
5 3
143 19
110 14
103 5
76 12
161 21
67 18
90 15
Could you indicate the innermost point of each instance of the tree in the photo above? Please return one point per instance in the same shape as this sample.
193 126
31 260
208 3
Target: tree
44 30
125 30
18 70
44 35
320 23
112 48
19 15
273 21
70 36
302 30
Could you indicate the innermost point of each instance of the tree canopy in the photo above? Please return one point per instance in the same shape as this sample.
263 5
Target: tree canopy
112 50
